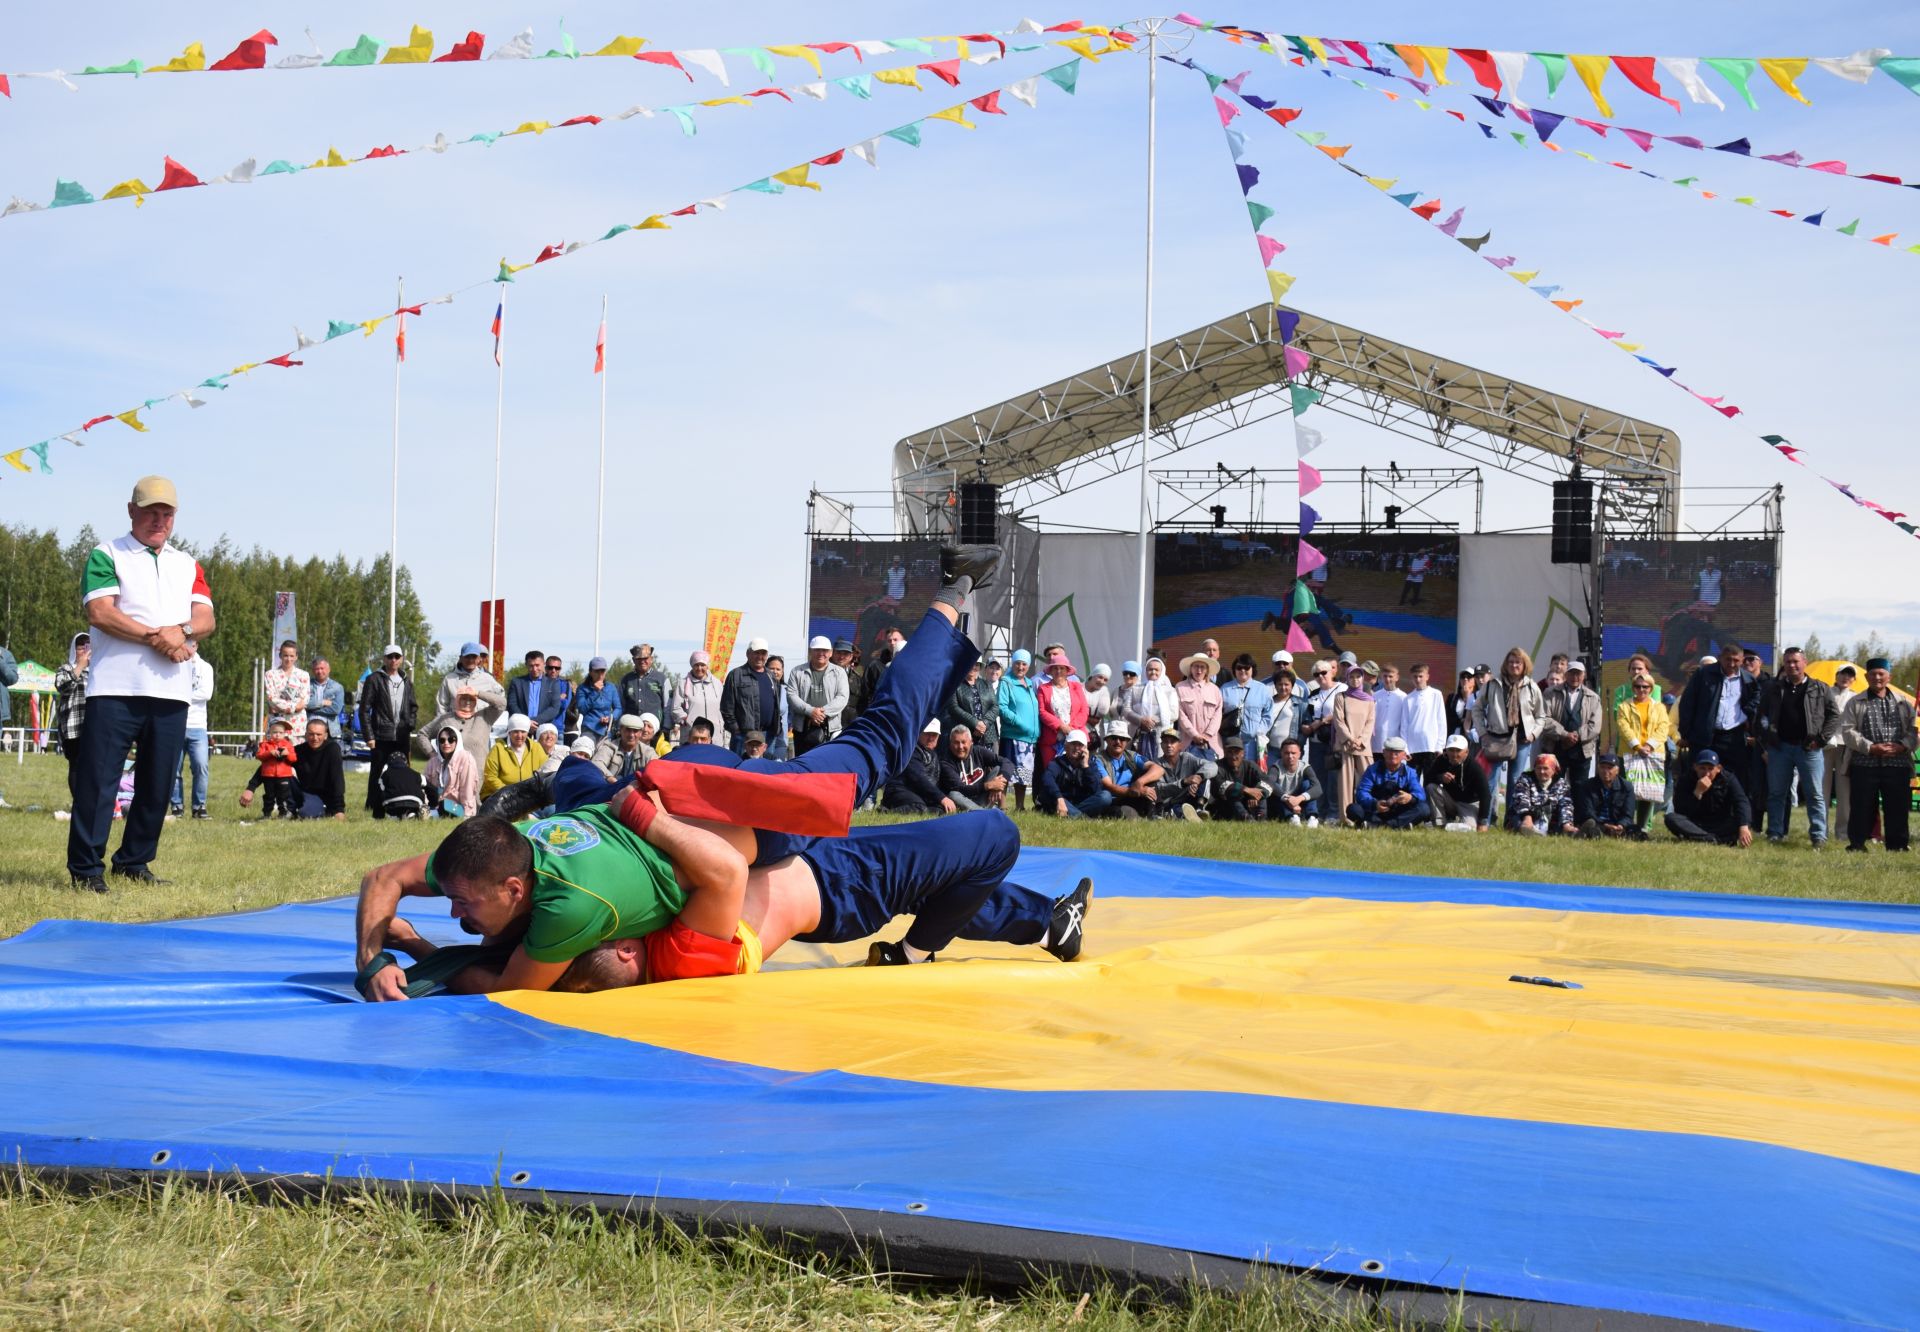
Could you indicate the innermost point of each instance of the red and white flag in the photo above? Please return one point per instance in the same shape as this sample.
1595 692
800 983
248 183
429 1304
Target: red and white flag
600 349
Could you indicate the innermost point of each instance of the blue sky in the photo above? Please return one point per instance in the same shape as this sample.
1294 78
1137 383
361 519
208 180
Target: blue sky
790 341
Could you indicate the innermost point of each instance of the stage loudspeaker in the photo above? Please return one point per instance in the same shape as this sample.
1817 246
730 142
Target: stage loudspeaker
979 513
1573 521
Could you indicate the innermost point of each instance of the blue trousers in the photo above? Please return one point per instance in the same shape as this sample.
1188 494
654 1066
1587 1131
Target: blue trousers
1783 761
197 759
949 874
156 729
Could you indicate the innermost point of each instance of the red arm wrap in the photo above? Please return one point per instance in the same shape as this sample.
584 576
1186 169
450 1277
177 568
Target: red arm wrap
634 809
678 953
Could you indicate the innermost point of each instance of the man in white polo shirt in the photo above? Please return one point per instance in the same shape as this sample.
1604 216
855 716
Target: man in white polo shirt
148 604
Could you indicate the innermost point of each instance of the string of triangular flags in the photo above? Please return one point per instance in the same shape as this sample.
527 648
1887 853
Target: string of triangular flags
1545 123
1295 361
1501 72
69 193
1429 210
251 53
1064 77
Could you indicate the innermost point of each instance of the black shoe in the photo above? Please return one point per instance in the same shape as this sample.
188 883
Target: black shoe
177 810
1069 927
884 954
200 812
140 874
975 563
90 883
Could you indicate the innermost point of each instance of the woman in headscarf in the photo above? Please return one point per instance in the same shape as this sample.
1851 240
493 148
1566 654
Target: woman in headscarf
513 758
453 778
1019 724
1099 694
1352 736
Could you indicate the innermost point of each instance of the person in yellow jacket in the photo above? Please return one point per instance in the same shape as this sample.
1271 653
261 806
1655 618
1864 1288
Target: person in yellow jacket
513 759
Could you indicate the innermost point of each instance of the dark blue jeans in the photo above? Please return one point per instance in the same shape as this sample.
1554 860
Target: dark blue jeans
156 730
1404 817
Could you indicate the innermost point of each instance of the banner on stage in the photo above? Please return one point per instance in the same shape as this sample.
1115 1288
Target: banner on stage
723 627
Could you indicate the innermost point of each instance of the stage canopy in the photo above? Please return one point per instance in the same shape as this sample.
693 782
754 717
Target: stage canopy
1229 374
1336 1072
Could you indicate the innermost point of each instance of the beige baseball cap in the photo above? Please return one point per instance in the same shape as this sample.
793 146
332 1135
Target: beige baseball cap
154 490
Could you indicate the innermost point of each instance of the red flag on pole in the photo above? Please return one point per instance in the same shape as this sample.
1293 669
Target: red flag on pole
400 337
600 349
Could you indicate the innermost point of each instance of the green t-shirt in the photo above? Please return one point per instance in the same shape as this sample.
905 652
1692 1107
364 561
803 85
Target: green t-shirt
593 880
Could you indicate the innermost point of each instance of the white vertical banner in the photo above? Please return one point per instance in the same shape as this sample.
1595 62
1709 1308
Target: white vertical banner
1513 595
1089 597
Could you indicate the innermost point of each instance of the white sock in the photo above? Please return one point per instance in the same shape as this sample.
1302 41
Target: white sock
1046 938
914 954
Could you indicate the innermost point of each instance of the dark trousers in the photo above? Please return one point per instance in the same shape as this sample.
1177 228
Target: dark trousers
382 748
1885 787
1688 831
1737 759
1404 817
156 729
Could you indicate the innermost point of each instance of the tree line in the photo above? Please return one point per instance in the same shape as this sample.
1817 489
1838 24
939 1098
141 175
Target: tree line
342 610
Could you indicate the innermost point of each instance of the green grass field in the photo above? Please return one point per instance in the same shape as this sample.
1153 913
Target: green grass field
173 1255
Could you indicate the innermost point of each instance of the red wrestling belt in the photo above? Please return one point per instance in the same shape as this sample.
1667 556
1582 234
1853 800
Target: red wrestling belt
810 804
680 953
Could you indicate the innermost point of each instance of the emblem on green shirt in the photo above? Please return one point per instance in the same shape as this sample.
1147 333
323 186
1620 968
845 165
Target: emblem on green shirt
564 837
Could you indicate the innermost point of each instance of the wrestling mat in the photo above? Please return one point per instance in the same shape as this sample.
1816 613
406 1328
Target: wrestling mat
1329 1071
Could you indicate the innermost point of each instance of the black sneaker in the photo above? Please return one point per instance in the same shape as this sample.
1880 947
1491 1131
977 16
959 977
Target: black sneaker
89 883
976 563
884 954
140 874
177 810
200 812
1069 927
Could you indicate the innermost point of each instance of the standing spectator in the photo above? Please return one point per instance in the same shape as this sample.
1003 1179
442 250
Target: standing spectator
388 712
275 772
698 699
1541 802
1837 789
1879 733
318 774
970 773
816 697
1797 719
1069 787
646 687
1246 708
990 700
1709 583
847 658
1283 663
512 758
1063 708
1717 709
1132 781
1290 713
1556 671
1351 745
1182 790
782 741
1460 709
556 697
148 601
524 691
596 703
915 789
196 745
1423 722
1712 807
9 677
750 698
1571 733
1319 724
1416 577
1390 793
453 778
1614 805
1201 707
470 675
1645 728
1099 697
970 706
1156 711
1296 788
70 697
1509 712
882 659
1240 789
288 688
1638 664
326 697
1457 788
1389 709
1019 705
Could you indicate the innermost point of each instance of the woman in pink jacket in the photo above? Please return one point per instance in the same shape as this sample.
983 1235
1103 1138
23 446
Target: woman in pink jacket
1063 708
453 773
1200 706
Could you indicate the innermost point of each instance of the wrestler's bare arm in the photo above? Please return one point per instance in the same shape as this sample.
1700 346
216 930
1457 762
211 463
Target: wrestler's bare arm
710 861
380 894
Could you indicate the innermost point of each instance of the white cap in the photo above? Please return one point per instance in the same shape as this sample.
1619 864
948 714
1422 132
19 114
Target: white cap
393 650
547 726
1709 661
1457 742
1396 744
1283 656
934 728
757 645
629 722
519 721
820 643
1579 666
1075 734
584 745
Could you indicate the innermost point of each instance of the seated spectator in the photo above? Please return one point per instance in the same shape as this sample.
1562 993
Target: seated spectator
1390 792
1542 800
1239 791
1613 805
1296 787
275 772
753 744
402 794
1070 788
1457 788
548 738
453 778
970 771
513 758
1132 781
318 773
915 789
699 731
1712 806
1182 789
626 751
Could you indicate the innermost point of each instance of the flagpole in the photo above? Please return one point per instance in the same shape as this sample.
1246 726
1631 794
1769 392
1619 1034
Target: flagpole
1152 27
393 538
499 417
600 491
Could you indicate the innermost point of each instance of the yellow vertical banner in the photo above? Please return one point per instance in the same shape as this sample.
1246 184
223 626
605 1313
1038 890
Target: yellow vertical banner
723 626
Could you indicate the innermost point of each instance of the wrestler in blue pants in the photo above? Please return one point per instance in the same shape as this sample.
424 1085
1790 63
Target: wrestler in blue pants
948 874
